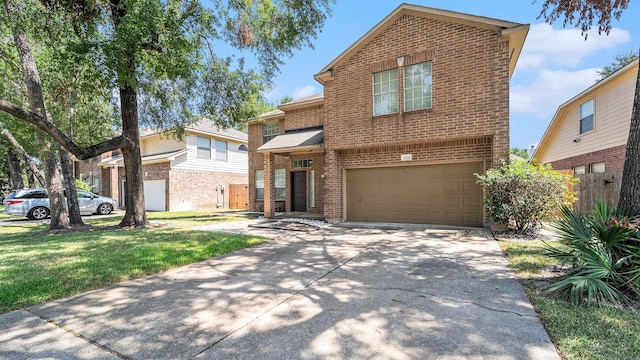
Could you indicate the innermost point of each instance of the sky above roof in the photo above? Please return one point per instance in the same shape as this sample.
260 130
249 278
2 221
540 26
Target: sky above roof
556 63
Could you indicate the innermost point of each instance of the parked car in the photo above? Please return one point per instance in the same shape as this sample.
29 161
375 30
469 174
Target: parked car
34 203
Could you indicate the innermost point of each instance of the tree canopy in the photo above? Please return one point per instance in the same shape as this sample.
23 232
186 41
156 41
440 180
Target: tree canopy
619 62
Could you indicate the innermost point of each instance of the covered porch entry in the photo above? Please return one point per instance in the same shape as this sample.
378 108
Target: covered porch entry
296 184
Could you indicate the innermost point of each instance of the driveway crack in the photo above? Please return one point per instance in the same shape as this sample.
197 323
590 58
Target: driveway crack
424 294
78 335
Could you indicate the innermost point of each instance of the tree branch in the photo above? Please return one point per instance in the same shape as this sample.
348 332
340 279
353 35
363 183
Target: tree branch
51 129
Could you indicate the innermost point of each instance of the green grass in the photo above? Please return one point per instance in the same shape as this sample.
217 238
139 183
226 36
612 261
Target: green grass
580 332
36 266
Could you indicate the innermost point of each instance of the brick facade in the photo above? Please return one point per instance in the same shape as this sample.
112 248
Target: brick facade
201 190
467 122
613 159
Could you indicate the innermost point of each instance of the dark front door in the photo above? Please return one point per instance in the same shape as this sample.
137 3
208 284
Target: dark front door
299 191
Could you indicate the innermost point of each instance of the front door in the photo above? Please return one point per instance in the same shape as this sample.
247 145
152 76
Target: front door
299 191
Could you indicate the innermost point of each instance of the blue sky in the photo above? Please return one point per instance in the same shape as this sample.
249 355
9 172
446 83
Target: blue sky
555 65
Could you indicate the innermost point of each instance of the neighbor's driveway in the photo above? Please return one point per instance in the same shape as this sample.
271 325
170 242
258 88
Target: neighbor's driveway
332 293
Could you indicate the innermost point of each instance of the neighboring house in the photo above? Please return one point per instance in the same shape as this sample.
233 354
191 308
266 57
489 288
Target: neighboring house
588 133
408 114
193 173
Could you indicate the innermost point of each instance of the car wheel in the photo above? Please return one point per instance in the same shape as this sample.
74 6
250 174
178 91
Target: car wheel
105 209
38 213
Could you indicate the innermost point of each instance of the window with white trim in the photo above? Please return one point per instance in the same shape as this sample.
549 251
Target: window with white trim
259 177
281 184
579 170
417 86
385 92
222 153
269 131
586 116
204 147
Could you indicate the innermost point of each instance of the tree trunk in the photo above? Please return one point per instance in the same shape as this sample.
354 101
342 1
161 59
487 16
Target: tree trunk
28 159
15 170
70 187
59 217
135 214
630 187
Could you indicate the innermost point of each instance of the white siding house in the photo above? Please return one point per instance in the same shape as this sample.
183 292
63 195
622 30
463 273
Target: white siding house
189 173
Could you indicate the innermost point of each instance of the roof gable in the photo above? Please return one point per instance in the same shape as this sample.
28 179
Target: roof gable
514 32
560 116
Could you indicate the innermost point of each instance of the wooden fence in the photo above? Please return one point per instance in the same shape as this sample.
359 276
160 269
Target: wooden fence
605 186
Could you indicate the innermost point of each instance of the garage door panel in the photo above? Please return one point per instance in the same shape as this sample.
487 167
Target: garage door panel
436 194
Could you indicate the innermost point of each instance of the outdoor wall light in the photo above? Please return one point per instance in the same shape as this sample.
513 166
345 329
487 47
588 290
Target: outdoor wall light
577 140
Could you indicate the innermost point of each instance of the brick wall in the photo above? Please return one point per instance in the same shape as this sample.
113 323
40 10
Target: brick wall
613 159
200 190
304 118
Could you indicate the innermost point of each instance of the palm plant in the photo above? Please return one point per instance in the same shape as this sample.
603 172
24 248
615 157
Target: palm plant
603 252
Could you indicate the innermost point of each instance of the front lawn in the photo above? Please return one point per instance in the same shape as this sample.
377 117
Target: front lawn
579 332
36 266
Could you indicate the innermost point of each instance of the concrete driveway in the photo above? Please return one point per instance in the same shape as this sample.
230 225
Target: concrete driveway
335 293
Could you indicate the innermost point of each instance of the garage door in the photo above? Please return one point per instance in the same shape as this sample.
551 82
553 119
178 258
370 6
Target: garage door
430 194
154 195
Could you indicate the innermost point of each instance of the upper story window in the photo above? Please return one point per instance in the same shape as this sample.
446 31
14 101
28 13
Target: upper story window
586 116
417 86
204 147
269 131
221 150
385 92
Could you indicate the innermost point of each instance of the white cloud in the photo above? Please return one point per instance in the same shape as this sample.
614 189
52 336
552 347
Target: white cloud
303 91
545 46
550 89
274 94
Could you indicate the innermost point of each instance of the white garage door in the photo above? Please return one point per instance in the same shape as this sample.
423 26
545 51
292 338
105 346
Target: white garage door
154 195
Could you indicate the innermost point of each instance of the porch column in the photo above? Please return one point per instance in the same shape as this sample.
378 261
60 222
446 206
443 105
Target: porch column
269 186
113 192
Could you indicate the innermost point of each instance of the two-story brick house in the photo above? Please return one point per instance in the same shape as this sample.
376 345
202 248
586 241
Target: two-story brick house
408 114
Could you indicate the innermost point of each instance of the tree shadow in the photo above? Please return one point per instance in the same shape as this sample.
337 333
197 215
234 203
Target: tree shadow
347 293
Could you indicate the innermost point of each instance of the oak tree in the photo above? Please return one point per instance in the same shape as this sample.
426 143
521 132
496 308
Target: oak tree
162 58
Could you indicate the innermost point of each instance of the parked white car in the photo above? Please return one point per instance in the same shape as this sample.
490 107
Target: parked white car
34 203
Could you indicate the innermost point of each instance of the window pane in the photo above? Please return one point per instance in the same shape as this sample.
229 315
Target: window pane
204 141
597 167
259 178
586 124
417 79
385 92
280 178
221 150
204 147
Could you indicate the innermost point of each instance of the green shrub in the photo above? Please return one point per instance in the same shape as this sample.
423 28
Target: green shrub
523 195
603 252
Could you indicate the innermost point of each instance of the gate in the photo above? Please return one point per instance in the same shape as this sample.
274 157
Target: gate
238 196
